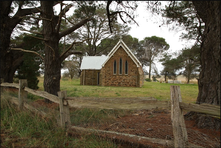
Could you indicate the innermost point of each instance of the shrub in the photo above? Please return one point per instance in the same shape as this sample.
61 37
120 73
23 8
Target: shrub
154 78
148 80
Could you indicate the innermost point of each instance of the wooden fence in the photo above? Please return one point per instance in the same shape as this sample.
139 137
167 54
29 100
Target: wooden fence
177 107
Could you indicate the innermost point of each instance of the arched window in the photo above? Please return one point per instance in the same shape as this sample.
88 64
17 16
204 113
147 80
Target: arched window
120 68
115 67
126 67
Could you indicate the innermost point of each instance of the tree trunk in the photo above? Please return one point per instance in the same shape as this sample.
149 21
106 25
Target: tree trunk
165 78
9 60
188 77
188 80
209 78
52 62
150 71
53 57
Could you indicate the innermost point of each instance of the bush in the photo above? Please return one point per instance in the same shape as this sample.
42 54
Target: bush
29 69
15 80
148 80
154 78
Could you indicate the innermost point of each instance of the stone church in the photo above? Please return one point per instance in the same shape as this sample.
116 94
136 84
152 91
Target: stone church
119 68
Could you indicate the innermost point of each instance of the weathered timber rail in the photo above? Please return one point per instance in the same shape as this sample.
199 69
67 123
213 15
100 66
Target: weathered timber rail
111 134
177 107
201 108
209 109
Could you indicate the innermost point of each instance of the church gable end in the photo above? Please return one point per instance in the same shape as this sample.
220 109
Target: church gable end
120 70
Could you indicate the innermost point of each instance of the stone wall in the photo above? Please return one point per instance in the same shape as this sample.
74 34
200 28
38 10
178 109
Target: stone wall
134 78
141 77
90 77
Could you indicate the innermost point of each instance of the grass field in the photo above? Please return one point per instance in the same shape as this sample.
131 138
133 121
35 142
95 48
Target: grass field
160 91
26 129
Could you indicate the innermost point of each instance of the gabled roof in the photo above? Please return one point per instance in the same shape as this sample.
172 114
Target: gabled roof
97 62
126 49
92 62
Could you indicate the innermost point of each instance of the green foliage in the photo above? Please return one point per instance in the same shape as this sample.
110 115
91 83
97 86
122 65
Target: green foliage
85 10
185 15
154 78
29 69
190 60
148 80
117 94
149 49
97 29
156 41
73 67
171 66
108 44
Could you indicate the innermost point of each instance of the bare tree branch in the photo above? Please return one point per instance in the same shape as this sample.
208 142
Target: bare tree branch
121 17
57 28
66 53
36 37
61 14
199 29
34 32
108 14
66 9
29 51
17 18
24 12
117 12
73 28
68 20
41 18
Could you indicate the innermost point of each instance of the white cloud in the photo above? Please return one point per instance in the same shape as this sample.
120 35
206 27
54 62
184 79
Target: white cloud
151 25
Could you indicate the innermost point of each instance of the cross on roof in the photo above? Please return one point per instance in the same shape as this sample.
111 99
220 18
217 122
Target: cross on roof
121 37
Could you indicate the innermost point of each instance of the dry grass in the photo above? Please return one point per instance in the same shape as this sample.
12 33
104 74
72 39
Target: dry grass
181 78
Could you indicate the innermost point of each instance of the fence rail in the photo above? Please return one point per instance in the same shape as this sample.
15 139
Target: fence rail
213 110
177 106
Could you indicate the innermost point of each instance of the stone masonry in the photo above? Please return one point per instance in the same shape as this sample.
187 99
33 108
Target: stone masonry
135 75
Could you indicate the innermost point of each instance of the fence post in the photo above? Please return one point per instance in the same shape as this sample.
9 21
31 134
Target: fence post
179 127
2 81
21 93
64 110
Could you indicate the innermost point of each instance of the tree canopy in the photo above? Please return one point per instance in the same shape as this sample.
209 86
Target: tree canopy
190 61
97 29
149 49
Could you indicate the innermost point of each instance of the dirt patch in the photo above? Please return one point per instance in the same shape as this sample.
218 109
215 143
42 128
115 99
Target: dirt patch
10 89
48 105
154 123
118 103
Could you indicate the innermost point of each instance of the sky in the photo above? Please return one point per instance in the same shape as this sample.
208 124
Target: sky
149 26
